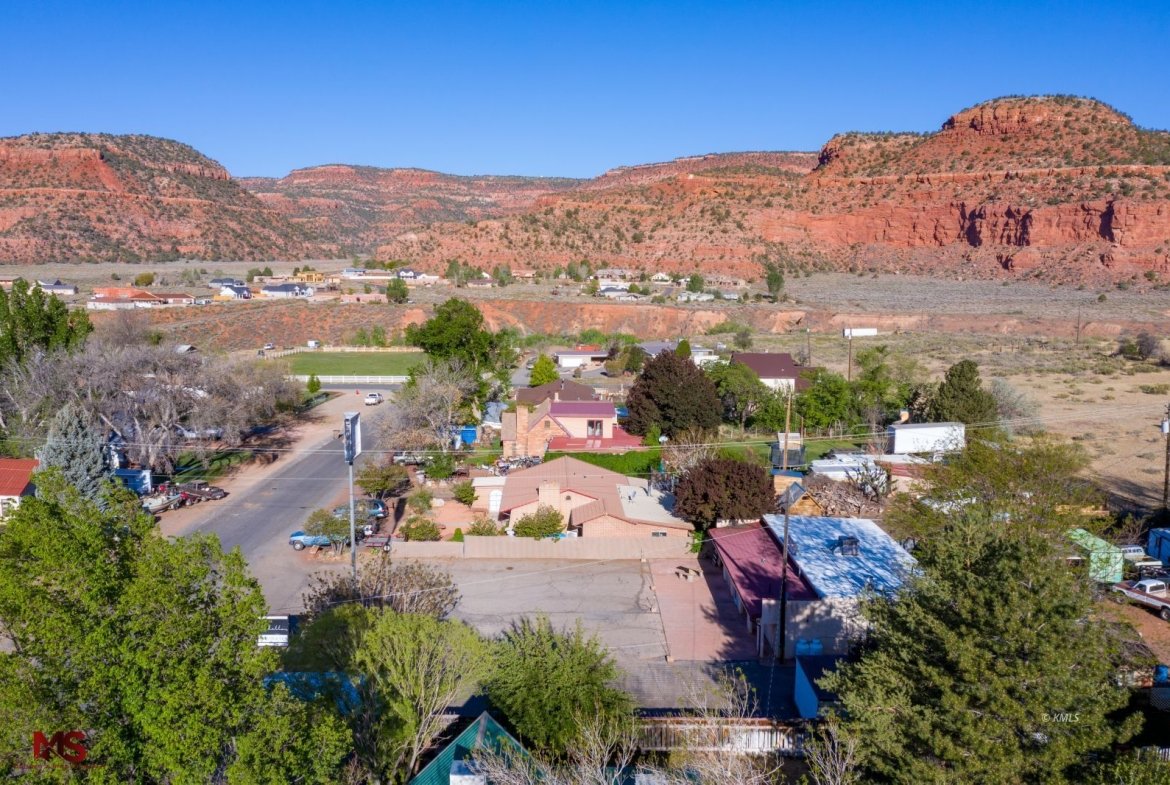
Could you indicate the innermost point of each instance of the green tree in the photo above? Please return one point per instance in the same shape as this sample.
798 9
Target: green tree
683 349
147 643
545 522
774 279
397 292
961 397
743 339
313 386
724 489
502 275
380 480
740 389
31 320
144 279
378 336
674 394
967 674
416 666
76 447
695 283
325 523
827 402
592 287
545 679
544 370
484 527
456 331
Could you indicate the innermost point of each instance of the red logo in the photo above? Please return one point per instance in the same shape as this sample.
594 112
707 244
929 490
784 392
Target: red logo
67 745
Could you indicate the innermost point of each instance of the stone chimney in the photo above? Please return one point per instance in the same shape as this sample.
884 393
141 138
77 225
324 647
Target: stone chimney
549 494
523 413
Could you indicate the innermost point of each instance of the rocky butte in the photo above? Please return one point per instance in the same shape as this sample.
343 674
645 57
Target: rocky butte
1055 188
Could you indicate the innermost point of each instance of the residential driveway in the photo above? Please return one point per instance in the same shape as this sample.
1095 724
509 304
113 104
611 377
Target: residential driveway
267 503
699 616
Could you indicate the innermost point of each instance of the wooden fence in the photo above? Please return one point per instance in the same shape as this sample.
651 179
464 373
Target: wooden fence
366 380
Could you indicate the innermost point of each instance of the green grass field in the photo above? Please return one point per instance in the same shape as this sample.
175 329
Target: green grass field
355 363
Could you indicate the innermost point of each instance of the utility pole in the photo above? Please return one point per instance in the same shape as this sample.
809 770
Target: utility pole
1166 475
849 373
1078 340
782 623
352 448
807 347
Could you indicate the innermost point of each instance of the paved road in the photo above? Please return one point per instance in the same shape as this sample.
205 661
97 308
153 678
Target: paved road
259 520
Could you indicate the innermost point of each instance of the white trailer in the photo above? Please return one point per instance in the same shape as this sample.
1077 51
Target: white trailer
927 437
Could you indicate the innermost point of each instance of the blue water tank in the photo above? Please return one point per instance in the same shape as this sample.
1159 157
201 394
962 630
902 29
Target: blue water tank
468 434
1162 674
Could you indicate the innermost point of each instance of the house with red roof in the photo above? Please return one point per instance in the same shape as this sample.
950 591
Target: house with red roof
15 482
594 502
570 426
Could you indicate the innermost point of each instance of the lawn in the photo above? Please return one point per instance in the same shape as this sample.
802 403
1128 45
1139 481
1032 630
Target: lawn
637 463
354 363
189 467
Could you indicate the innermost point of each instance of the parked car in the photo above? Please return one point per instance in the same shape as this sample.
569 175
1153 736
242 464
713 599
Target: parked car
1149 592
200 490
269 347
299 541
373 399
408 458
362 509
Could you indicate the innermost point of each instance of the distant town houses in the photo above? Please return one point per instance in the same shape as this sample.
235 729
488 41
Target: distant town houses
219 283
286 291
694 297
580 356
125 298
700 355
234 292
57 287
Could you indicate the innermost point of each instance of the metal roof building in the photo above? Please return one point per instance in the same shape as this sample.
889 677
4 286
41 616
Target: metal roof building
842 557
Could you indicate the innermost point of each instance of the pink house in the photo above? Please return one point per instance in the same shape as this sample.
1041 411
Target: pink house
564 425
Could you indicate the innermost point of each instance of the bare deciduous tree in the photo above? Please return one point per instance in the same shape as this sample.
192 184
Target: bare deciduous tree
688 449
431 405
601 756
408 587
831 755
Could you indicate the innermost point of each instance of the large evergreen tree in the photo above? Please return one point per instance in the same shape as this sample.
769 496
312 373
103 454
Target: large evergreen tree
989 666
76 447
148 645
673 394
544 370
961 397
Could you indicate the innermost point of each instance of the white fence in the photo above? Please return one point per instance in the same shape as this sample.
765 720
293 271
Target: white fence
589 549
367 380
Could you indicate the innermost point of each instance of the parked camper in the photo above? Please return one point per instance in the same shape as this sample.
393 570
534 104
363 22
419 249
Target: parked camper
926 437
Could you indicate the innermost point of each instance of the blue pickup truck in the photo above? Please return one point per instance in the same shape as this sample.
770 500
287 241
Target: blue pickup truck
299 541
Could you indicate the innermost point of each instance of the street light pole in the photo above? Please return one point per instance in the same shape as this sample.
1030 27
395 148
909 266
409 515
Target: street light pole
1166 474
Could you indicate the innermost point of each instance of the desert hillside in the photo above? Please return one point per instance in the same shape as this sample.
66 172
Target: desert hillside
1063 189
97 197
1058 189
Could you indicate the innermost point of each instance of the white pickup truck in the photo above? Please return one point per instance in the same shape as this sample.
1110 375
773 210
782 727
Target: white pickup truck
1149 592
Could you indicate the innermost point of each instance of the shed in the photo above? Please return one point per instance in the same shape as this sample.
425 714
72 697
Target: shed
812 699
1106 561
454 762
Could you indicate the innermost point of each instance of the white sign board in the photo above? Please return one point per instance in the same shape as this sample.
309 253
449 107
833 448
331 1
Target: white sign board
352 433
859 332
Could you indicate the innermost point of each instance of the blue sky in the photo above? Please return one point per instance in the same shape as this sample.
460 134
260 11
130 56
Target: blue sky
552 88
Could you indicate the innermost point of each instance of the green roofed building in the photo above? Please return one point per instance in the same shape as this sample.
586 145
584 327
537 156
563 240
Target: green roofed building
1106 562
453 765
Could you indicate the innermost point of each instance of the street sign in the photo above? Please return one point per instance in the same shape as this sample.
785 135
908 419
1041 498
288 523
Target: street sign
352 433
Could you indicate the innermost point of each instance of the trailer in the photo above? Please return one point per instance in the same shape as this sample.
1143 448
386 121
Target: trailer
162 502
381 541
1150 592
906 438
1158 545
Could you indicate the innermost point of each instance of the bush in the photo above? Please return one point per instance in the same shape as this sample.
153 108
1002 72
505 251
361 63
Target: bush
1155 389
144 279
545 522
484 527
457 536
313 385
420 501
441 466
464 492
420 529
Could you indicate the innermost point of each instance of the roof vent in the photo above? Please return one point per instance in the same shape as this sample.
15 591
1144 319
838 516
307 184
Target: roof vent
849 546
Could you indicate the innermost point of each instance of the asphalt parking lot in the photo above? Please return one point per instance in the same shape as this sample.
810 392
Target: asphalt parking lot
617 602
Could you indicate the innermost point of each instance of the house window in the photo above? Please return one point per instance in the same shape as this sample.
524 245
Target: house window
657 534
593 428
546 425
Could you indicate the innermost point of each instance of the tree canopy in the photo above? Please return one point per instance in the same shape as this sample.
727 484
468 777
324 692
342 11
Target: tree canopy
146 643
455 332
740 389
724 489
827 402
673 394
961 397
546 681
544 370
30 320
76 447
